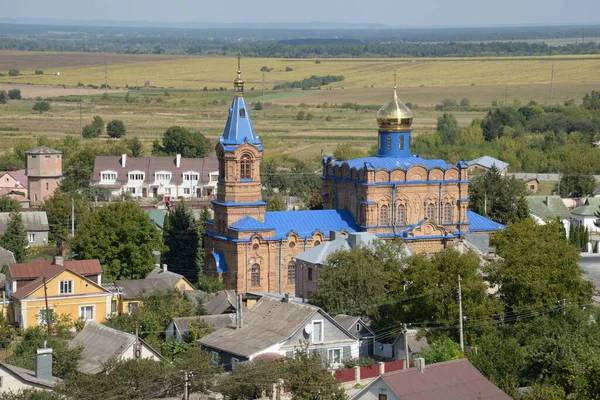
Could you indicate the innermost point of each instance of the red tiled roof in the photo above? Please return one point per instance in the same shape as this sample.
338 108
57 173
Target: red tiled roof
18 175
450 380
34 269
49 273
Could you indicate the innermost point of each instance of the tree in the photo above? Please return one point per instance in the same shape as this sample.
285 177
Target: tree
308 380
464 102
541 278
442 349
98 124
30 394
59 211
14 238
3 97
8 204
576 185
210 284
592 101
14 94
39 72
495 121
89 131
115 128
301 115
41 106
314 201
183 240
13 72
179 140
122 237
276 203
447 126
136 147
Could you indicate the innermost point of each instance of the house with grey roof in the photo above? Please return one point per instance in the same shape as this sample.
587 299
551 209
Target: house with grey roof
544 208
223 303
308 262
101 344
157 176
416 344
14 379
36 226
585 215
178 328
278 327
486 163
358 328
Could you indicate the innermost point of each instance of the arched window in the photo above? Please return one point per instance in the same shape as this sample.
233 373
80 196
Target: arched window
383 216
401 146
246 167
431 211
388 142
242 112
401 215
292 272
221 166
255 275
447 213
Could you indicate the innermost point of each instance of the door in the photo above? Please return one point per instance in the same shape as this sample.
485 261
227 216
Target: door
144 192
154 192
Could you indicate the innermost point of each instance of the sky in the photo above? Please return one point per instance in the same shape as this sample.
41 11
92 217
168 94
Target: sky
400 13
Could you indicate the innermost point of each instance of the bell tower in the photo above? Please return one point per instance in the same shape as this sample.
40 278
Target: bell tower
239 152
394 120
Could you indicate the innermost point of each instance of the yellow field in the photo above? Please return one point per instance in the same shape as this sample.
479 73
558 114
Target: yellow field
198 72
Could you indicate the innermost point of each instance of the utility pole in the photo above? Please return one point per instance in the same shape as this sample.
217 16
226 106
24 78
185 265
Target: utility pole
552 83
460 316
72 217
186 386
263 89
47 308
505 95
105 77
406 358
80 116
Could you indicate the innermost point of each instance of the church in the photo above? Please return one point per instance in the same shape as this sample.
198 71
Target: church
393 194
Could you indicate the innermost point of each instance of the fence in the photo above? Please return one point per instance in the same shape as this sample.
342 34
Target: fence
357 374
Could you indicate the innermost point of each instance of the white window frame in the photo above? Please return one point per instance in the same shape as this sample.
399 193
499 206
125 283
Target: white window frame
216 359
108 176
132 190
214 177
163 176
329 358
81 316
168 191
31 237
191 176
70 284
187 191
40 310
234 363
321 339
136 176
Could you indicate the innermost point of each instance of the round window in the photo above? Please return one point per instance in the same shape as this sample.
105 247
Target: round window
317 242
292 245
255 246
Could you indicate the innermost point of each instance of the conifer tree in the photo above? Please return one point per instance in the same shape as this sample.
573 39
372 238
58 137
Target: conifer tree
182 237
14 238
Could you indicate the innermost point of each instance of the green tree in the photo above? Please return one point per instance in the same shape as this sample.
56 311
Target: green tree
89 131
8 204
39 72
575 185
136 147
183 240
14 94
179 140
198 329
13 72
41 106
535 279
442 349
447 126
116 129
210 284
495 121
591 101
59 211
465 102
346 151
276 203
98 124
30 394
308 380
122 237
3 97
14 238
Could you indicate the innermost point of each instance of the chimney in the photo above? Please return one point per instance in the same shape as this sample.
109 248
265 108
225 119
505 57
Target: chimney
547 201
286 298
420 364
43 364
123 160
353 240
238 312
156 255
59 260
164 268
333 235
178 160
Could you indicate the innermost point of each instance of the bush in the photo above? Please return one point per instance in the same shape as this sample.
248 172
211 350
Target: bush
288 69
3 97
39 72
317 61
14 94
41 106
464 102
13 72
98 123
89 131
80 84
301 115
115 128
449 103
258 106
264 68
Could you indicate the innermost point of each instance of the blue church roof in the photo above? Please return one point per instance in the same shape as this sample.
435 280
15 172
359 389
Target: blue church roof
391 163
479 223
250 224
239 128
306 222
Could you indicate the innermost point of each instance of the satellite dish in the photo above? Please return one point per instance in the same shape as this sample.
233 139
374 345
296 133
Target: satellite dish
308 329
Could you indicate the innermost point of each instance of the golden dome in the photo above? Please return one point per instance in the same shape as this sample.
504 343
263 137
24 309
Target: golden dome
238 83
394 116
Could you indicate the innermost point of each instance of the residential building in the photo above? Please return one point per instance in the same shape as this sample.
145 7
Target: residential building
168 177
391 195
157 216
449 380
100 344
416 344
532 185
132 292
223 303
485 163
13 378
35 223
178 328
357 327
16 196
279 327
14 181
44 172
544 208
6 257
586 215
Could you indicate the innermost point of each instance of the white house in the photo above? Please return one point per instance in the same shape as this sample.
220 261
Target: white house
585 215
13 378
544 208
157 176
486 163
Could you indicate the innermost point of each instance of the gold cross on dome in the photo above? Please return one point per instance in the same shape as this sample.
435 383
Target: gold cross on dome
395 74
239 62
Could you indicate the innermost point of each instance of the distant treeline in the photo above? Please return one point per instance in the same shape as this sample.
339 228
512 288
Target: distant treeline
312 82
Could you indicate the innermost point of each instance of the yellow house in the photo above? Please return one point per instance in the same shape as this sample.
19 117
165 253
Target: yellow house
67 292
131 292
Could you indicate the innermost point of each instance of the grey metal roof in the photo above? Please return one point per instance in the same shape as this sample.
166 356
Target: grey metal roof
216 321
222 302
346 321
269 322
34 221
100 344
43 150
195 296
488 162
415 343
156 280
319 254
6 257
29 375
548 207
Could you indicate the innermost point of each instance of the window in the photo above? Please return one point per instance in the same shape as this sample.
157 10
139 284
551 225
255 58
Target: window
383 216
86 313
388 142
186 191
401 145
532 187
47 157
108 176
357 327
334 356
317 332
431 211
113 306
1 383
242 112
44 316
163 177
215 357
401 215
47 186
65 287
132 190
317 243
255 275
136 177
190 177
214 178
234 362
245 167
292 245
167 191
32 238
310 274
382 397
447 213
292 272
131 307
255 246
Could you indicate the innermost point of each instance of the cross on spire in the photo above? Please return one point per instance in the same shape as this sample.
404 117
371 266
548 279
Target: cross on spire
395 74
239 63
